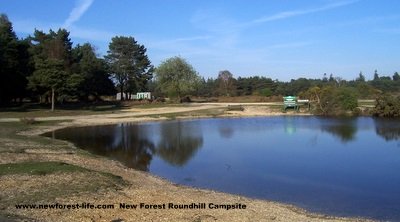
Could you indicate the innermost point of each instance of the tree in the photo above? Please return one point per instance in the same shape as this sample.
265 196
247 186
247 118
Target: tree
325 79
129 64
52 59
376 75
176 77
14 63
361 77
331 78
93 71
396 76
226 83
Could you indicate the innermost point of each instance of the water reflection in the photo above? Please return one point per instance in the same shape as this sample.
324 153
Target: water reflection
256 157
289 124
387 129
226 131
123 142
179 142
136 145
344 129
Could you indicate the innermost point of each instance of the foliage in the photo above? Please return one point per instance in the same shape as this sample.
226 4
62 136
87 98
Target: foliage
252 85
360 78
265 92
14 63
387 106
331 100
46 65
129 64
52 60
93 72
175 77
347 98
226 83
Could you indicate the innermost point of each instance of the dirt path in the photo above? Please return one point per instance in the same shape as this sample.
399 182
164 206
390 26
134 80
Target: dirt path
138 114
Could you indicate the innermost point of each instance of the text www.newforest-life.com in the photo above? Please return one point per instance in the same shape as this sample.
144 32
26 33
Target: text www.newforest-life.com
57 206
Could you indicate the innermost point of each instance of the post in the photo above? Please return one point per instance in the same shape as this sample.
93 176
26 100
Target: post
52 98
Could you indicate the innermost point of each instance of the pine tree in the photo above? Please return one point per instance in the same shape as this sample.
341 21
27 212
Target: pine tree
129 64
52 59
14 63
93 71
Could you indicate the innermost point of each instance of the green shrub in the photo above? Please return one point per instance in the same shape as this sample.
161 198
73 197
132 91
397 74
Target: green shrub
387 106
265 92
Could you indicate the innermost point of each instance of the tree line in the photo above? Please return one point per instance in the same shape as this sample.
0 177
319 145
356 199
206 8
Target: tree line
47 68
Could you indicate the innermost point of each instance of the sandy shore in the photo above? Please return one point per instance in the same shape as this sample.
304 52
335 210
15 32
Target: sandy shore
143 187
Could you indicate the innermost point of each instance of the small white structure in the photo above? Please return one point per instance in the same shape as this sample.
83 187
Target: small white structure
139 95
143 95
127 96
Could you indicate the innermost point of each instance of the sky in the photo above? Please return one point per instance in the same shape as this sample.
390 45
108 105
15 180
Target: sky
278 39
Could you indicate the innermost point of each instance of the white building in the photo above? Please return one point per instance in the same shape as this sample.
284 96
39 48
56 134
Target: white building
143 95
139 95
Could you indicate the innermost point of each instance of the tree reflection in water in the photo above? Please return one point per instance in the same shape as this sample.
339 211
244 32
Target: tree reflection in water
344 129
134 144
179 142
226 131
387 129
128 143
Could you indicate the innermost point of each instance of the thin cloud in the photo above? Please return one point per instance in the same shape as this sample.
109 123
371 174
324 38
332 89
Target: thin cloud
289 14
81 7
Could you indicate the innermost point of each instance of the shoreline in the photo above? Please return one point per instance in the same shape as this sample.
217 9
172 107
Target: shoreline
155 190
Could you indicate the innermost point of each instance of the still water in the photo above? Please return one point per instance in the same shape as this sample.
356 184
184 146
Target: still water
343 167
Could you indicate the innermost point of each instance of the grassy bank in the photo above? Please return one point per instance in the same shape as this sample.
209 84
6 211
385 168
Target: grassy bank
28 178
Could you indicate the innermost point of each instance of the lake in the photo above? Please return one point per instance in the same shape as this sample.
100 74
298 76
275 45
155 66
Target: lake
342 167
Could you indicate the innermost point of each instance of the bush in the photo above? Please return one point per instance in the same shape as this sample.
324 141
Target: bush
332 101
265 92
347 99
387 106
185 99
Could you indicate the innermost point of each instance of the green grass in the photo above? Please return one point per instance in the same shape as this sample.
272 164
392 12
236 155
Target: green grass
68 180
12 142
38 168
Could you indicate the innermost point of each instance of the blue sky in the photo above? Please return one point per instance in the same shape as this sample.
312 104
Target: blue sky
280 39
